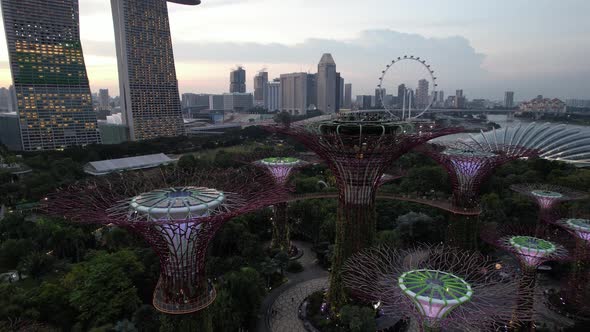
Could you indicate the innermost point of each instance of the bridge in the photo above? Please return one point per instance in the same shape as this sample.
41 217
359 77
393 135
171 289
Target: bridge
439 204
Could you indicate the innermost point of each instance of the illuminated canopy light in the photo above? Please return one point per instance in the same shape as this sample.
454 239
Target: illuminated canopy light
280 168
533 250
177 203
581 227
435 293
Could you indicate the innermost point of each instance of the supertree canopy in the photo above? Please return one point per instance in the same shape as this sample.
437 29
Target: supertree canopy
176 217
358 148
573 296
548 196
531 251
579 227
469 167
553 142
280 168
439 286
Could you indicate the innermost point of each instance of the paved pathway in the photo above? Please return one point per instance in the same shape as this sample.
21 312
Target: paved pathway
284 301
285 310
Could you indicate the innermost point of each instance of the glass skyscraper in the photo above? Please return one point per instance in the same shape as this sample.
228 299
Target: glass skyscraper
53 98
147 76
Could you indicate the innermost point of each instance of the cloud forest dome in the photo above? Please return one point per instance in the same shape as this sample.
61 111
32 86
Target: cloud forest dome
553 142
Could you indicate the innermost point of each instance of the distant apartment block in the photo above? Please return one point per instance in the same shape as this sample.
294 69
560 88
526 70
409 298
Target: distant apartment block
237 80
273 95
509 99
237 102
294 93
260 83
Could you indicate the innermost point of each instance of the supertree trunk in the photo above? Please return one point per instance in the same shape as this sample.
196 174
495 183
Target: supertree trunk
280 228
462 231
576 294
523 317
355 230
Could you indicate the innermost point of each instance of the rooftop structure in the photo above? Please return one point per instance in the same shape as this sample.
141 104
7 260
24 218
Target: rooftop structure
551 141
358 147
548 197
441 287
176 212
104 167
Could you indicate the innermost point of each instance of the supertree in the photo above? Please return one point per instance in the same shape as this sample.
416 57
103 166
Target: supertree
576 291
548 197
358 148
531 251
441 287
468 168
176 212
280 168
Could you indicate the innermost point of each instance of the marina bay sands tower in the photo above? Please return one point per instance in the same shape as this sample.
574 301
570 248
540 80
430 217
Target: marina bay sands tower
147 76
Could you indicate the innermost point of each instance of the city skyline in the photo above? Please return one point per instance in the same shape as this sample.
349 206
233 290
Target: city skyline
492 55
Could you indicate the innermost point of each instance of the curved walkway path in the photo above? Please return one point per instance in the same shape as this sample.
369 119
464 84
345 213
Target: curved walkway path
280 309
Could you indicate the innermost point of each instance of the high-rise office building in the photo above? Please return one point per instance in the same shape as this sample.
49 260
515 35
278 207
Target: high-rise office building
12 99
216 102
459 99
273 95
294 93
312 91
237 102
401 91
4 99
509 99
327 84
104 100
338 92
260 82
53 99
380 94
195 100
341 92
422 96
347 96
237 80
147 76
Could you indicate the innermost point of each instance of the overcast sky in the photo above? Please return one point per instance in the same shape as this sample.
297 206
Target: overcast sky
481 46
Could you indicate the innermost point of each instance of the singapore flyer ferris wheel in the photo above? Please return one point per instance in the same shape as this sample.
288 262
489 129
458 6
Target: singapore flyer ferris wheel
412 84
